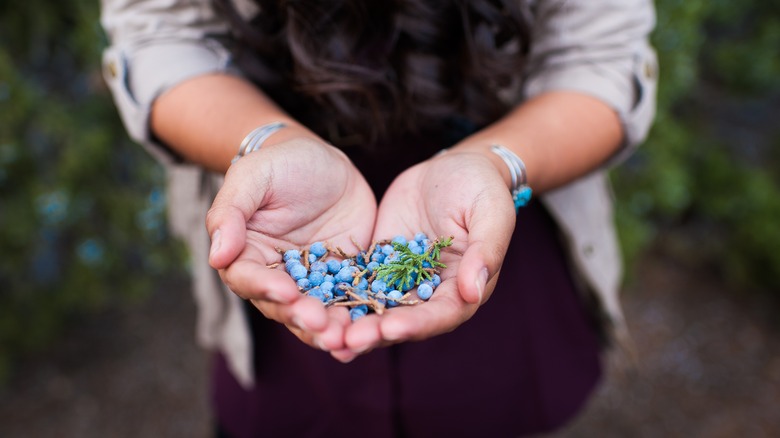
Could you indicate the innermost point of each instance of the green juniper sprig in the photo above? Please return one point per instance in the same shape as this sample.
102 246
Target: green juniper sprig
410 267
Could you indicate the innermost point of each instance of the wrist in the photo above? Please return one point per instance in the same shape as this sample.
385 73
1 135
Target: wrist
509 166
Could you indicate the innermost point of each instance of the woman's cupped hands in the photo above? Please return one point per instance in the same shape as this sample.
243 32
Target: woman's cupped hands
303 191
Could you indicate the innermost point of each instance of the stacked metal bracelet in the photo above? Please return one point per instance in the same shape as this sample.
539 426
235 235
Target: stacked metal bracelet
521 193
256 138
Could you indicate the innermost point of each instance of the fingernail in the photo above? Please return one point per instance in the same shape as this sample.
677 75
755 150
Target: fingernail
319 344
299 322
216 242
360 350
391 331
481 282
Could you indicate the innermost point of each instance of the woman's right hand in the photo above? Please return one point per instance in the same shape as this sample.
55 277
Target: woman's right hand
288 196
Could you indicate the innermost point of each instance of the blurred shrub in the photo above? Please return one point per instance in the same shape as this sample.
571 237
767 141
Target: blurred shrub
707 176
81 211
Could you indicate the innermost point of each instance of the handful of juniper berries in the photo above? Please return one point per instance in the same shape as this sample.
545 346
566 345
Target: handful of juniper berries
373 280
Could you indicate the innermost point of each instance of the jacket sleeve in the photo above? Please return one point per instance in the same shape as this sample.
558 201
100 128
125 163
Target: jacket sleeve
153 45
599 48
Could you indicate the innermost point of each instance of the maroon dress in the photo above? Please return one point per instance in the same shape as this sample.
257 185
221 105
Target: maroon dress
524 364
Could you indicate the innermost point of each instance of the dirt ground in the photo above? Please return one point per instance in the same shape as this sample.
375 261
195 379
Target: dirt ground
709 367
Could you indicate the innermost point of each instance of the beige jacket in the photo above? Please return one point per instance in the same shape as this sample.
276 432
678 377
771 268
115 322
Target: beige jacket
597 47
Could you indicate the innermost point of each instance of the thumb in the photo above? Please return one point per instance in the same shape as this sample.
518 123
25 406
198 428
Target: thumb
238 199
490 228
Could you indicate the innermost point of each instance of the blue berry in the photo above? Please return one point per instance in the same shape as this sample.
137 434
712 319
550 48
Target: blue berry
387 249
417 250
292 254
399 239
312 258
345 263
378 257
393 297
333 266
326 286
346 274
372 267
319 266
341 289
304 284
378 286
329 278
358 312
362 284
317 293
361 293
436 280
381 298
297 272
318 249
420 237
290 263
425 291
316 278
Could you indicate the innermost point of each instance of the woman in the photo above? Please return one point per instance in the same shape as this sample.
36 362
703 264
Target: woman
563 88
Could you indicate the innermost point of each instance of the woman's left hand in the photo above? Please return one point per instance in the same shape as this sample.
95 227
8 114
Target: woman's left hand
458 194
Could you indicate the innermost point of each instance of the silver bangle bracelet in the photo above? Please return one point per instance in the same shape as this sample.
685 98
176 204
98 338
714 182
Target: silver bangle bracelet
521 193
255 139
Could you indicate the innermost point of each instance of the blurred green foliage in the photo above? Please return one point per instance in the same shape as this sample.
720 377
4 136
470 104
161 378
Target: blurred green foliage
707 178
81 210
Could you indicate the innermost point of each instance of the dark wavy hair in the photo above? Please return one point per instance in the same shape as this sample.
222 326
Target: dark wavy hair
367 69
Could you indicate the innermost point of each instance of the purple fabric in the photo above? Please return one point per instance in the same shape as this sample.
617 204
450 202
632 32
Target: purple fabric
524 364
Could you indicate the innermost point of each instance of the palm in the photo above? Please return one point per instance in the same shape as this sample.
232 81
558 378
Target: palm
459 195
288 196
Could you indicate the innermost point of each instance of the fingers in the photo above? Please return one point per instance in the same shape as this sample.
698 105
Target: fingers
490 224
239 198
303 319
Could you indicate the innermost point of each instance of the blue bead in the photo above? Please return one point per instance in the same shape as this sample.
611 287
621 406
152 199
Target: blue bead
522 197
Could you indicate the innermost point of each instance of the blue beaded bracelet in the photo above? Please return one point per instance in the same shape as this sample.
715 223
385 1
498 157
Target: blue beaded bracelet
521 193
